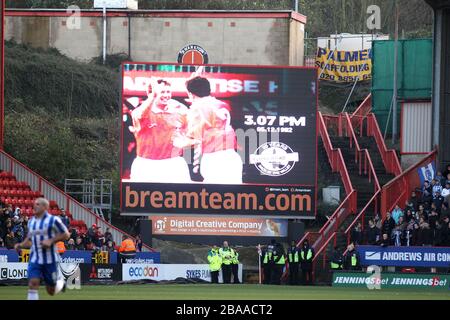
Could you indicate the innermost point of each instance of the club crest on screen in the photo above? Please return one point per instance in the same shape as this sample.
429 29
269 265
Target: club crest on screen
274 159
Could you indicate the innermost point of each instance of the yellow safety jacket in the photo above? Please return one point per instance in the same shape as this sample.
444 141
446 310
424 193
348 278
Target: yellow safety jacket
235 257
214 259
227 255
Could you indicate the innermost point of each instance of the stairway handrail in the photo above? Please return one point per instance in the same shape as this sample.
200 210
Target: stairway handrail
389 157
405 190
337 164
368 160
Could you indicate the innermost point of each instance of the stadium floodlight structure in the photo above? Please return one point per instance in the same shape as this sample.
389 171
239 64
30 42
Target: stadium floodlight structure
112 4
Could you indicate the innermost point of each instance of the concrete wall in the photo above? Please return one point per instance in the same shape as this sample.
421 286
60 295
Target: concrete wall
261 38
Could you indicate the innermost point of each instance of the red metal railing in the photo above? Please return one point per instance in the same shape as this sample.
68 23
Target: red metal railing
390 159
318 240
398 190
361 112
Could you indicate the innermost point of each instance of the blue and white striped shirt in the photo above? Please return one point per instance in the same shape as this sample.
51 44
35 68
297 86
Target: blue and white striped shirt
40 229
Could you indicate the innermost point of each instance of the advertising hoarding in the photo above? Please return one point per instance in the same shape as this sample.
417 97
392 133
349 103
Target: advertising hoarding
220 226
432 257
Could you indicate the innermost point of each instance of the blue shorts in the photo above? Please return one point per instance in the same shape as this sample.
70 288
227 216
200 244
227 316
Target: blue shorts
46 271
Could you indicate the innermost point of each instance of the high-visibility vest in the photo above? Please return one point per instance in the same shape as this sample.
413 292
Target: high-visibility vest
354 260
214 259
235 259
227 255
308 255
334 265
282 259
293 257
267 256
127 246
60 247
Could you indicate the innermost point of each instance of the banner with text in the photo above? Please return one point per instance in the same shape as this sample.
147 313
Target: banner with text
391 280
219 226
438 257
159 272
344 66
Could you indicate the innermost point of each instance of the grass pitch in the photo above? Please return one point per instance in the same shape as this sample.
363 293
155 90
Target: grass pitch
222 292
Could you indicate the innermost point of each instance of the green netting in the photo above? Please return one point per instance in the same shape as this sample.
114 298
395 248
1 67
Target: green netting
414 75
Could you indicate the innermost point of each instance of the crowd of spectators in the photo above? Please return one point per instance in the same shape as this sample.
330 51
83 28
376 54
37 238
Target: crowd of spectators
14 228
424 220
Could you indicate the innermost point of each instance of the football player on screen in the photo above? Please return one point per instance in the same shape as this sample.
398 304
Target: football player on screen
209 130
156 122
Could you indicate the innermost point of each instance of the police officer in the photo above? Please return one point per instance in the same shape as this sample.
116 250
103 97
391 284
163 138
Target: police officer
351 259
235 266
306 258
279 261
337 260
226 254
293 258
215 263
268 261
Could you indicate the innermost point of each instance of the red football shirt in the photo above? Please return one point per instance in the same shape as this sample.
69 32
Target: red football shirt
154 140
209 120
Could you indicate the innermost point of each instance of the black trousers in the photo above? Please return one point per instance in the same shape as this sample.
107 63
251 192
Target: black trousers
215 276
267 274
276 274
293 273
235 271
306 276
226 273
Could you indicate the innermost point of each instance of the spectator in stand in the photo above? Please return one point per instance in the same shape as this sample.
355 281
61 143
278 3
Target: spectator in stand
17 229
109 246
377 221
436 188
398 233
2 243
385 241
440 178
108 235
446 192
25 225
373 233
408 206
409 216
79 245
396 214
415 238
438 200
422 213
71 244
414 201
447 172
437 234
10 240
138 243
448 178
73 234
432 218
425 237
356 236
388 224
445 210
64 218
409 233
445 232
426 192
